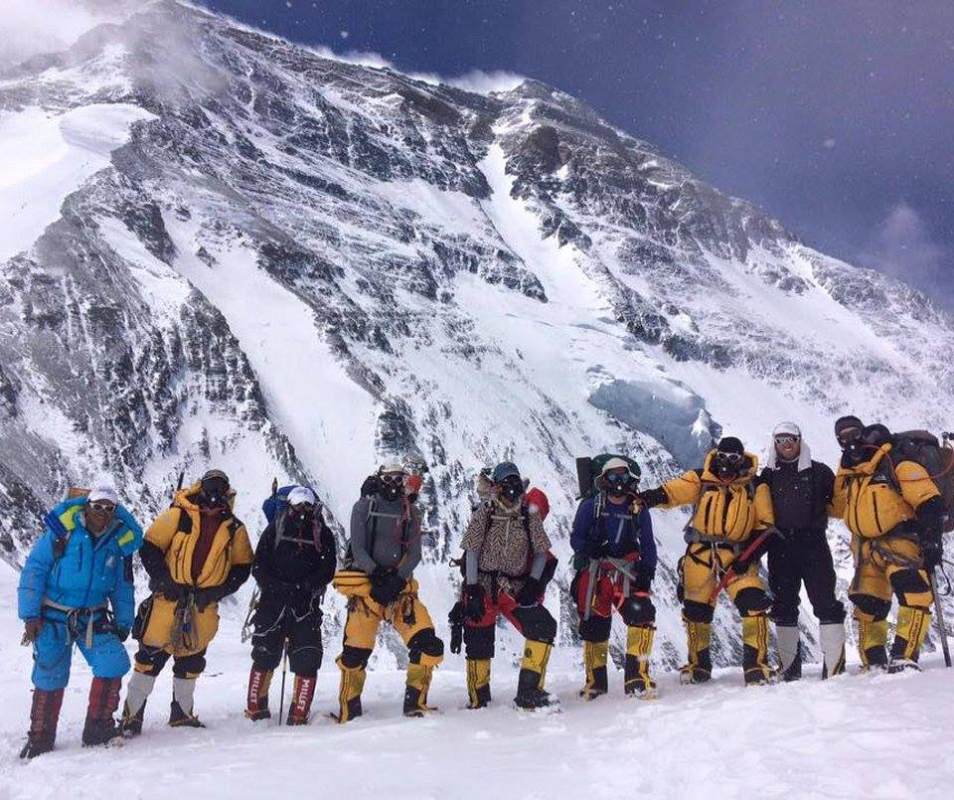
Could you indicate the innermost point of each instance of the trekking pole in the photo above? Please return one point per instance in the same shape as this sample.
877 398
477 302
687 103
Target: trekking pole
941 625
281 705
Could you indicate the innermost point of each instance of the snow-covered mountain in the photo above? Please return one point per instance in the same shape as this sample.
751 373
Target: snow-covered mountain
219 248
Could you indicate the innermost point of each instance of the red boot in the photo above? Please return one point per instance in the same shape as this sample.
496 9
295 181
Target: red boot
100 726
257 703
43 719
302 696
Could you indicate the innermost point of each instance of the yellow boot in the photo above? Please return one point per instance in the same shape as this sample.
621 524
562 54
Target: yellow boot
909 635
755 650
872 637
415 693
349 696
639 645
594 662
478 682
699 668
533 671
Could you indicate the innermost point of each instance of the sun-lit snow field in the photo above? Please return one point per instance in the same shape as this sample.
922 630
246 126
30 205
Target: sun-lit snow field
854 737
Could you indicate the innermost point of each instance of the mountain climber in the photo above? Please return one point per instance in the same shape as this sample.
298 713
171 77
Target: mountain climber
294 561
378 580
615 559
801 492
730 515
506 551
196 553
76 587
894 510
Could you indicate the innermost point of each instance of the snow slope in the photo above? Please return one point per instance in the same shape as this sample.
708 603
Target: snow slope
857 736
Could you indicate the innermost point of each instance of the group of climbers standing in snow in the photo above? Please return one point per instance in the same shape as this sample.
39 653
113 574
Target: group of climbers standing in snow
77 584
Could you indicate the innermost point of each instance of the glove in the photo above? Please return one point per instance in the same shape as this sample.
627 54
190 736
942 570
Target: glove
206 597
456 621
386 585
169 589
31 629
580 561
122 633
597 549
931 552
644 579
650 498
529 594
474 596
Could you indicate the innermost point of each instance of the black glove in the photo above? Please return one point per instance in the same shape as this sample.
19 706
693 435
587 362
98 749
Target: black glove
931 551
122 633
644 578
169 589
529 594
474 596
206 597
580 561
650 498
597 549
386 585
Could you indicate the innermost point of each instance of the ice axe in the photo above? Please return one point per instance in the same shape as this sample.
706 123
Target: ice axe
729 574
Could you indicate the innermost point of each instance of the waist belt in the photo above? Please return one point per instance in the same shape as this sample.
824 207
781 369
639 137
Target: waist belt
693 536
72 617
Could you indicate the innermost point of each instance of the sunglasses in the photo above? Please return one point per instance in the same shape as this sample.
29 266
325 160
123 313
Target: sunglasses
103 508
786 438
304 506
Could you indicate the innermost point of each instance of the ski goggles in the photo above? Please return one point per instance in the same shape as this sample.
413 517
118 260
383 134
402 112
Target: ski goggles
103 507
617 479
787 438
393 479
730 459
849 437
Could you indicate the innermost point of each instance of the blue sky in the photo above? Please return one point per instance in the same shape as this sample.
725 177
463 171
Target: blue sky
836 117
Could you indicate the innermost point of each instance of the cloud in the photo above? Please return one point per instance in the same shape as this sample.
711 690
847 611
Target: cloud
482 82
903 247
32 27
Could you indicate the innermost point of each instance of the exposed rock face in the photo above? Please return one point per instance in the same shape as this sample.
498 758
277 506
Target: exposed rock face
297 266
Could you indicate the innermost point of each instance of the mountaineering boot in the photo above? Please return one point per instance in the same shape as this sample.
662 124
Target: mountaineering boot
909 635
44 716
137 692
788 640
872 637
349 695
302 695
594 662
755 650
256 706
533 671
103 702
180 711
639 644
478 682
832 637
699 668
415 693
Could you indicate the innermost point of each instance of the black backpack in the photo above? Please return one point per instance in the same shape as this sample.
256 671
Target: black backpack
925 449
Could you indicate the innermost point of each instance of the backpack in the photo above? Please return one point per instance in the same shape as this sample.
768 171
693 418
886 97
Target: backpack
276 504
588 469
923 448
